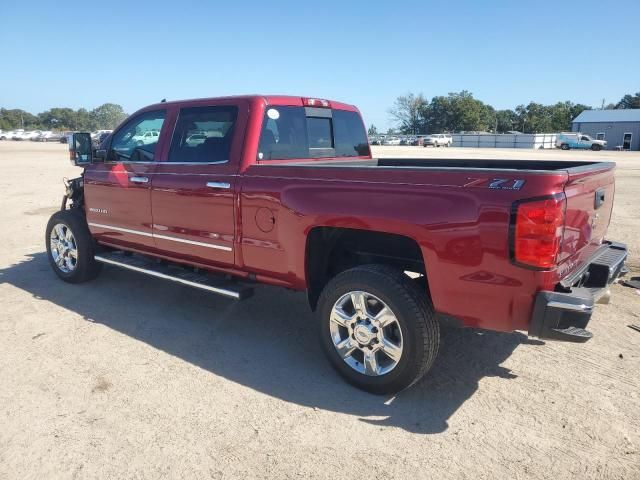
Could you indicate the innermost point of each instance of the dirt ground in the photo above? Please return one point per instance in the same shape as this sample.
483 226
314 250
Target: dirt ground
133 377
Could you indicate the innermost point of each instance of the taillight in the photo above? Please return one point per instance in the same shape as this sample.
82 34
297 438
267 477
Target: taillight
537 231
316 102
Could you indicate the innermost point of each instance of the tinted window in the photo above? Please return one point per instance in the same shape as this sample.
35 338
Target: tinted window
319 132
137 140
284 134
288 133
203 134
350 135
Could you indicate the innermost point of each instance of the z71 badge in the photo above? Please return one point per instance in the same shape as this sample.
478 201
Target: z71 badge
495 183
98 210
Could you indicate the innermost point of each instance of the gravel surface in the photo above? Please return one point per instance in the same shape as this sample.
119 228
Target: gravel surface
133 377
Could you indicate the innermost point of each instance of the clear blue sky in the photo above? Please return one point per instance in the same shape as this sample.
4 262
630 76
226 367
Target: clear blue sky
82 54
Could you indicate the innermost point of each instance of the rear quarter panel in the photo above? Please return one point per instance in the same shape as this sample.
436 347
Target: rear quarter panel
461 226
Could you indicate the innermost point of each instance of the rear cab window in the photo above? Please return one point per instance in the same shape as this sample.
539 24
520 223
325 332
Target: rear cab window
292 132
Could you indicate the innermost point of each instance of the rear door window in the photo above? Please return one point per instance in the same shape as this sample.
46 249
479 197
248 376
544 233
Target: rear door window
203 134
295 132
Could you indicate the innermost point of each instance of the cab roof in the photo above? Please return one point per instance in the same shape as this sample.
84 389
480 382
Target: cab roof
282 100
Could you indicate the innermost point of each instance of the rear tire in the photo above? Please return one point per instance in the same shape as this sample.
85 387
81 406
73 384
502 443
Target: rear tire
564 146
408 330
70 247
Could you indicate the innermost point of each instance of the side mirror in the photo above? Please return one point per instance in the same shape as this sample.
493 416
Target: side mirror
100 155
80 152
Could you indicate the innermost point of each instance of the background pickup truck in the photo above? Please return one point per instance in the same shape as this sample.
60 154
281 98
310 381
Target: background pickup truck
567 141
283 190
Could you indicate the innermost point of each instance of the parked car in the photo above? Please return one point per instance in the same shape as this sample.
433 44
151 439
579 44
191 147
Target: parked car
39 136
391 141
523 242
569 140
8 135
145 138
437 140
100 137
65 136
25 135
48 137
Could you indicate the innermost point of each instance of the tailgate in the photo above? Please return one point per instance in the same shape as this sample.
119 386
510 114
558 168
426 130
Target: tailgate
589 193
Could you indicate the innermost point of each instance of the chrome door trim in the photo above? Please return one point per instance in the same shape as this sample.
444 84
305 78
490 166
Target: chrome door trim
221 185
193 242
120 229
162 237
136 179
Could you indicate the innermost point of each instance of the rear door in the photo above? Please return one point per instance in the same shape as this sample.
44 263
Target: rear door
118 190
589 203
193 191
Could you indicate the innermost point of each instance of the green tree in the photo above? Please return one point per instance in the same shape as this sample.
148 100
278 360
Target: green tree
58 119
506 121
106 117
16 118
372 130
469 114
407 113
83 119
629 101
438 115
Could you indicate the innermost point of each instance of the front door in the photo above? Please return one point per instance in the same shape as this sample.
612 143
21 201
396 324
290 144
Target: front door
192 193
118 190
585 142
626 141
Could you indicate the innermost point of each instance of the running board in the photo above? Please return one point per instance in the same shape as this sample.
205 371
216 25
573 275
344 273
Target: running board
153 268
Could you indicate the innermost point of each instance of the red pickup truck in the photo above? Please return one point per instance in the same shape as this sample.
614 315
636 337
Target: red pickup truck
283 190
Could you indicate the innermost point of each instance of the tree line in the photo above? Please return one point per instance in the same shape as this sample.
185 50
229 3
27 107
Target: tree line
461 112
104 117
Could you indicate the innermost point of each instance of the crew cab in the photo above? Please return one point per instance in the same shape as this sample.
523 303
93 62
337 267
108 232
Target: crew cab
284 191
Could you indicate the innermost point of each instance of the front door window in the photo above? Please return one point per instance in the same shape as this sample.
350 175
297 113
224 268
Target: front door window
136 141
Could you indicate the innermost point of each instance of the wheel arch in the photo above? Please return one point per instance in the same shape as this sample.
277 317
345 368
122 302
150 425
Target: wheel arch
332 250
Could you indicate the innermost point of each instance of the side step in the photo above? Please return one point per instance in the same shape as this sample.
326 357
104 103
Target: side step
210 283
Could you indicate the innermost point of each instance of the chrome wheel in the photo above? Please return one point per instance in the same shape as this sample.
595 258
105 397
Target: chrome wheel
366 333
64 249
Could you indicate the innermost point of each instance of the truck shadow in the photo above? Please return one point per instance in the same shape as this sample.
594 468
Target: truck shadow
268 343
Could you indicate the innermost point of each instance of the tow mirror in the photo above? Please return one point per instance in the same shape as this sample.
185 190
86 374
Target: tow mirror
80 152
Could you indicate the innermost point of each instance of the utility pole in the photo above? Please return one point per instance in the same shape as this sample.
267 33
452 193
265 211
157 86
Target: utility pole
602 104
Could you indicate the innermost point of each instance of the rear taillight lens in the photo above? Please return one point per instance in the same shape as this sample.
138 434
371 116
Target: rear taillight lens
538 228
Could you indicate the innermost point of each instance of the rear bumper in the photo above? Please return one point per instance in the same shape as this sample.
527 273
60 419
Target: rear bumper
563 314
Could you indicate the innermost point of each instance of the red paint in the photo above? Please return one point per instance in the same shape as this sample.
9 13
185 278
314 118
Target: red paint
461 226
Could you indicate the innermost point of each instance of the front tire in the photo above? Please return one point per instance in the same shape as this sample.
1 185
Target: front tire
70 247
378 328
596 148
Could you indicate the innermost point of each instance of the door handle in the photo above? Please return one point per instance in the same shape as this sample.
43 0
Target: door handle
222 185
139 179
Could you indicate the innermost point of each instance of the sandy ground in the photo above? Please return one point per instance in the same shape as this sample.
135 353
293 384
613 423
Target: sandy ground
132 377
